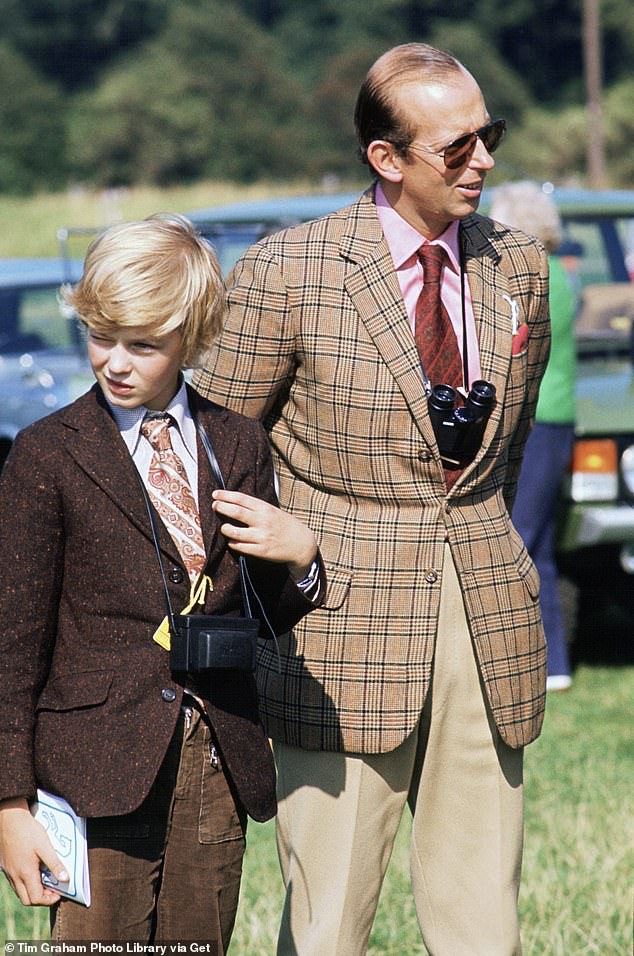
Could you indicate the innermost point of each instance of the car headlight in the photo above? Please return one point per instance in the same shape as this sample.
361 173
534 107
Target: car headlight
627 468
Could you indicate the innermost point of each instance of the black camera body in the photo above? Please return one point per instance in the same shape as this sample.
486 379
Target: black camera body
459 428
202 642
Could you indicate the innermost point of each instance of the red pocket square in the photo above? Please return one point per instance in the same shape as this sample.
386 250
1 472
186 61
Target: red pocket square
520 340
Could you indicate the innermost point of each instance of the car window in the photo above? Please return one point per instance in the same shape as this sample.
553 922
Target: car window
230 241
603 243
32 320
592 265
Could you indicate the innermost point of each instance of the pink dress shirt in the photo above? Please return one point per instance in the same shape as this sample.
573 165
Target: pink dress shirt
404 242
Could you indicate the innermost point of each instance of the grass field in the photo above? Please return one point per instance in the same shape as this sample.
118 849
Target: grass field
34 220
576 895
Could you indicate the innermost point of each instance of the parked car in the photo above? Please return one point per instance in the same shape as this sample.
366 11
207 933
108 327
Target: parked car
42 359
596 510
596 521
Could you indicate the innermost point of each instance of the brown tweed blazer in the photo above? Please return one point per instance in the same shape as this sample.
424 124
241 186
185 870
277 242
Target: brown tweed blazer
88 703
317 344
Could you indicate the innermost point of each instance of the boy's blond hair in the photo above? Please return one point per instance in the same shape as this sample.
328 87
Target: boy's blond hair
157 273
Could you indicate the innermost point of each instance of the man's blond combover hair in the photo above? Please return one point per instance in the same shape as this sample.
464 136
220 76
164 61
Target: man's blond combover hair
157 273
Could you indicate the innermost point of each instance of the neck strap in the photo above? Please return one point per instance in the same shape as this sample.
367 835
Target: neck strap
245 578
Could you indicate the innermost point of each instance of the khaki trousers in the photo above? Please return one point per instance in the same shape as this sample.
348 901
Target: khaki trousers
339 814
170 871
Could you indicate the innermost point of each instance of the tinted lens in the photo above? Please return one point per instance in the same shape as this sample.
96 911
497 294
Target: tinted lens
492 134
460 150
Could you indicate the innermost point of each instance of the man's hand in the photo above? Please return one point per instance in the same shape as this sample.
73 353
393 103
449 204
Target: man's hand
24 845
265 531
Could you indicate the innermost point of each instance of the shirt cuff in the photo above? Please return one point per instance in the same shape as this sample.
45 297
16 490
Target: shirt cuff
310 584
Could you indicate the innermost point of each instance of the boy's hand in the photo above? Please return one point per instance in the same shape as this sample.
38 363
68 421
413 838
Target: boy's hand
23 846
265 531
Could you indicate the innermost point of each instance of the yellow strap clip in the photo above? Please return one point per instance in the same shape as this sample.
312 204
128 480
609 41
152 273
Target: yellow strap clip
197 595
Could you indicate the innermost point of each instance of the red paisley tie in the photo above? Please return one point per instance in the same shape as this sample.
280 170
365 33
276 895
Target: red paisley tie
434 334
172 496
435 337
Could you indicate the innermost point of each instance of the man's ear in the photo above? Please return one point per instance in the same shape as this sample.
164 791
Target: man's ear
385 161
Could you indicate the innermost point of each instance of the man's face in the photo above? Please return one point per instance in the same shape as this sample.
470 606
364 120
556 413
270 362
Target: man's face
425 193
136 368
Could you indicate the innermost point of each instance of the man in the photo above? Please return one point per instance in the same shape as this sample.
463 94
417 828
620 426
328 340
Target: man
423 675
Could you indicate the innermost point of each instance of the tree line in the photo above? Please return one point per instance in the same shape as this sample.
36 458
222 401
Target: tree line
161 91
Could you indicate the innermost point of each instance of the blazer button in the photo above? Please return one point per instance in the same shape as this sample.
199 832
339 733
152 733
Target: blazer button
176 576
168 694
424 455
431 577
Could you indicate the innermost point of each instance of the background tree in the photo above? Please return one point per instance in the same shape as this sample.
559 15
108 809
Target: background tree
71 40
204 98
108 92
32 134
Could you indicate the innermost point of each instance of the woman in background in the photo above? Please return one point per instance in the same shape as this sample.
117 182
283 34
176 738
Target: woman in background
524 205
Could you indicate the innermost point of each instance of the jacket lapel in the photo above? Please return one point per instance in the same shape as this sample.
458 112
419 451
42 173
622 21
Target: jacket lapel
492 309
373 287
92 431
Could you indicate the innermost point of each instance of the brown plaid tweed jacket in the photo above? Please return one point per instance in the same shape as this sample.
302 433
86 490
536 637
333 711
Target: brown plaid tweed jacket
317 344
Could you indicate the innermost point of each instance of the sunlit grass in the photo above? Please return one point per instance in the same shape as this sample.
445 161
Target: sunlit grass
576 894
34 220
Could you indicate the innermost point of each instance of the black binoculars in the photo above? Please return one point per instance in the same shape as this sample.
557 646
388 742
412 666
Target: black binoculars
459 428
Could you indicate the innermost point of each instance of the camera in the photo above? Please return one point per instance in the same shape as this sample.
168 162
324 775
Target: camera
459 428
200 642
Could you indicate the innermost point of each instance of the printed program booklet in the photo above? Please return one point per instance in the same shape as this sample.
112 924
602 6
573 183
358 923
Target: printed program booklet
67 833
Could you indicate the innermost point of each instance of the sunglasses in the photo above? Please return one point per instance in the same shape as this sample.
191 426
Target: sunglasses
458 152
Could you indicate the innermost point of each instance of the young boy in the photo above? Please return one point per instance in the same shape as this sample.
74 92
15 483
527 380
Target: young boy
165 766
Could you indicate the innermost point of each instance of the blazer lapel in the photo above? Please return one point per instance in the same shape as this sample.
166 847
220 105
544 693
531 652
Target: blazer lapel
492 310
373 287
92 430
490 299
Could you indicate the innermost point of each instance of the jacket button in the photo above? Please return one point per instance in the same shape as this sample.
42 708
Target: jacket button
431 577
424 455
176 575
168 694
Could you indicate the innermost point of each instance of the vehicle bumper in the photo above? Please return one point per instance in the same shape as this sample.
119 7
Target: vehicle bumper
586 526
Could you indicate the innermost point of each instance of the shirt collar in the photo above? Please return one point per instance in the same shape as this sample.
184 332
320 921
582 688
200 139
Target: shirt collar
404 241
129 421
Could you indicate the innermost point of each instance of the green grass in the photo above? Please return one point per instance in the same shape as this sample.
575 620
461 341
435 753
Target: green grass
31 223
578 863
576 894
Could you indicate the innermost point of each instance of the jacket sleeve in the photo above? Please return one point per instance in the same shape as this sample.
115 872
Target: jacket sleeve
281 600
31 556
254 358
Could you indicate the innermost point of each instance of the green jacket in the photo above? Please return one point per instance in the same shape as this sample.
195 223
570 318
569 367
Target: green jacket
556 405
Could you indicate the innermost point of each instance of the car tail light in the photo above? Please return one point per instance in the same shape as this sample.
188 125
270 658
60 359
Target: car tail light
594 470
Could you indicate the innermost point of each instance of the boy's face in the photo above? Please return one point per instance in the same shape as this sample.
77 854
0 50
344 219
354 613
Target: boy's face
135 368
